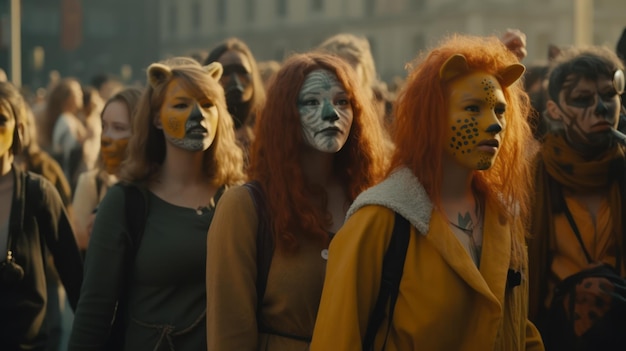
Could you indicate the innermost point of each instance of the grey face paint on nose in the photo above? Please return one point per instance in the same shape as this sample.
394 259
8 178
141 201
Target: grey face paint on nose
329 113
195 114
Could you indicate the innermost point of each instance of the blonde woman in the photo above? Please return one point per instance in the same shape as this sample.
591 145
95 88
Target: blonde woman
183 154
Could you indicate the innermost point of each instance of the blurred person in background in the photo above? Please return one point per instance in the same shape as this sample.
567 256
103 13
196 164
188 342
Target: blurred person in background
116 121
244 89
515 41
33 226
90 117
64 132
34 159
107 85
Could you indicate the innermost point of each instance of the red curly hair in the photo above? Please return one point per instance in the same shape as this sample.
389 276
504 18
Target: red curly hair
276 150
419 126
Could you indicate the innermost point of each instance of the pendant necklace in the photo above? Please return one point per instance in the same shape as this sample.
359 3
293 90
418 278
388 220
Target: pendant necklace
474 248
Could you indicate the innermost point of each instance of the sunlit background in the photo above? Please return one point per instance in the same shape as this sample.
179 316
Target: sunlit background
83 38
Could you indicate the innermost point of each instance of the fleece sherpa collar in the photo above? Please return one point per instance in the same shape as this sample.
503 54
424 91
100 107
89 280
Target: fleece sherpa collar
402 193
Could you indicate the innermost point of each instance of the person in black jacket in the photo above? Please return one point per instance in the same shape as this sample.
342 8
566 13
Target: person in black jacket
32 220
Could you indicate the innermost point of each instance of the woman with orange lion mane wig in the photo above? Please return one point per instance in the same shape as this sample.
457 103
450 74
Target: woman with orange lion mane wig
315 151
457 193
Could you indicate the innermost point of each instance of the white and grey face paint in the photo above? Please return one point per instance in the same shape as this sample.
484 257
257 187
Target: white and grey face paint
325 111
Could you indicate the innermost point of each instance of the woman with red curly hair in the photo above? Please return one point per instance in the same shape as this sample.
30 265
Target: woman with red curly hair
315 151
460 183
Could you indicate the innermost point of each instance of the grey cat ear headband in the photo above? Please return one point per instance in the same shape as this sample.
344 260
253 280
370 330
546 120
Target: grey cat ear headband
618 85
619 81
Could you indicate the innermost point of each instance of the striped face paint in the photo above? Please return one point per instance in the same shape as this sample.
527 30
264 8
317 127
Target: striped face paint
325 111
589 109
188 122
476 116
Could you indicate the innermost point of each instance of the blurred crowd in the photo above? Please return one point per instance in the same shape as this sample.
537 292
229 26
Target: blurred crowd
179 272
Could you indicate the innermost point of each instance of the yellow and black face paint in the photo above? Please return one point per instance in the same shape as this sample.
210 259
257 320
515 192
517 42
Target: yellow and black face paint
188 122
113 152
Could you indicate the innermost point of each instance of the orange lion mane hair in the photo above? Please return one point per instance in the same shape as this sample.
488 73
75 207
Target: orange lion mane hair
276 151
420 124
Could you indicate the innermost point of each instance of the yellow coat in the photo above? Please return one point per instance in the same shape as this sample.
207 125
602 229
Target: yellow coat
445 302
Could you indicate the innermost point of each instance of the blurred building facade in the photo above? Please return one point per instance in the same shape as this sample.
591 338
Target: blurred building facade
85 37
397 29
82 38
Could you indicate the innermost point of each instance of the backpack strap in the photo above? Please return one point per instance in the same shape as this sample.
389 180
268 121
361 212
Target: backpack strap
27 195
264 244
99 184
393 266
25 189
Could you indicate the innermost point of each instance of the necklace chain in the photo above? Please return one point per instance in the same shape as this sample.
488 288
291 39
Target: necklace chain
468 231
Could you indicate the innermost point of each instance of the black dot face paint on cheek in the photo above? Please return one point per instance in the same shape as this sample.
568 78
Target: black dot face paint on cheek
490 88
471 134
465 134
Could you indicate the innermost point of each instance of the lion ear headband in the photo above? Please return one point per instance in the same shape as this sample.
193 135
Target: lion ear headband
457 66
159 73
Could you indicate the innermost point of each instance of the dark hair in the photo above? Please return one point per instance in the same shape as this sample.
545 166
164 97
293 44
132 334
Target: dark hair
620 49
591 63
258 88
98 80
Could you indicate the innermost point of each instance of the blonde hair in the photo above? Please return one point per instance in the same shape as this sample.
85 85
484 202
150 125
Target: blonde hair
223 160
356 51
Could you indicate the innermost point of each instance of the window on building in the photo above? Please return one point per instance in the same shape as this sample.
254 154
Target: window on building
221 12
250 10
281 8
196 12
317 5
